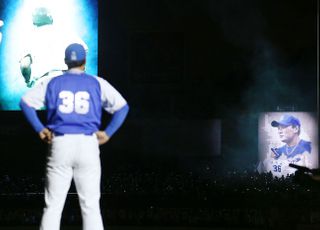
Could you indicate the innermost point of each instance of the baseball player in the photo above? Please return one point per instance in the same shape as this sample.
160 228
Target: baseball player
36 62
74 103
295 150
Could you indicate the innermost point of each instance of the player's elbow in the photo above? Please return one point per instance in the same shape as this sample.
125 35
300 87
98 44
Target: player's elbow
125 110
23 104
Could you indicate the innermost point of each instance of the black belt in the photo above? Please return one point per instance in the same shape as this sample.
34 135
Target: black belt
57 134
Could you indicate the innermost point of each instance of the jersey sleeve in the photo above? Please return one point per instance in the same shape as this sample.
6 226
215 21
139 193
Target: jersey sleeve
112 100
35 97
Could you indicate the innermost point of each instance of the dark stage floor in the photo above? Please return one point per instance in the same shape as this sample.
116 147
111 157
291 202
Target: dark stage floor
133 228
120 228
302 227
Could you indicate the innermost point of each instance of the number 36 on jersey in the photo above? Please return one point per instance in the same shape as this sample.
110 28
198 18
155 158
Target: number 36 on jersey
74 102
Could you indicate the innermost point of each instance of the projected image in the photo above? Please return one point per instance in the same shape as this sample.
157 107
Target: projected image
1 24
33 38
286 138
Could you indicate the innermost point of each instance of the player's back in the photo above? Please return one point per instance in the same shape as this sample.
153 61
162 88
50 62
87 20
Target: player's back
73 102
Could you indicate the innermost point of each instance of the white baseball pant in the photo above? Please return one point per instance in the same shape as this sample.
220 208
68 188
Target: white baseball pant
77 157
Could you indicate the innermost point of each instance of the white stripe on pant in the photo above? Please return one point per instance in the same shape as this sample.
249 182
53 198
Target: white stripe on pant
74 157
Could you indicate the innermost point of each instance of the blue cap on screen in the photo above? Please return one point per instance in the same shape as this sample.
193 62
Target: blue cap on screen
75 53
286 120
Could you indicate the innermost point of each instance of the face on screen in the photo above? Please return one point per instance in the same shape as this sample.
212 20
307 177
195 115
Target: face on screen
33 38
287 133
287 138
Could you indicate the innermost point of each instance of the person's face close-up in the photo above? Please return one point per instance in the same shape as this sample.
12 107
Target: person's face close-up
287 133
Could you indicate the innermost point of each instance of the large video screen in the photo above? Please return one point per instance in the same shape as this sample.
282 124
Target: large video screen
287 137
33 38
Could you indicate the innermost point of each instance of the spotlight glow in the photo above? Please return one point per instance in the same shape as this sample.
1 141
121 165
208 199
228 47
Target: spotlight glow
71 19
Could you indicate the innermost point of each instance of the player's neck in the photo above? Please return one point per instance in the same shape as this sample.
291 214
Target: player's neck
78 68
83 67
294 141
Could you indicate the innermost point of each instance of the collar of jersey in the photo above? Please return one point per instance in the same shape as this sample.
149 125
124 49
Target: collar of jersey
75 70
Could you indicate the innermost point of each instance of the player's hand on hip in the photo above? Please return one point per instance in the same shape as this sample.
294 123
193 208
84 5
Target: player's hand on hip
46 135
102 137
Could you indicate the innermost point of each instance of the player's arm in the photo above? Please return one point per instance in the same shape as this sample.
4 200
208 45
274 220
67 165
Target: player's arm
31 114
115 123
114 104
31 101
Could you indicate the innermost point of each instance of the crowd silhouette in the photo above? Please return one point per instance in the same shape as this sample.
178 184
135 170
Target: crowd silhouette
200 197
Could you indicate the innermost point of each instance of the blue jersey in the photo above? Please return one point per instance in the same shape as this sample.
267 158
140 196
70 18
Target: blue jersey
283 156
291 152
74 101
73 108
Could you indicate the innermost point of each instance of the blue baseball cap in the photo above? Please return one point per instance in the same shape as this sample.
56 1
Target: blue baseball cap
286 120
75 53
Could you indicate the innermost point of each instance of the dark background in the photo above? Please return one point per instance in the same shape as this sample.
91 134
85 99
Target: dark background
192 61
182 64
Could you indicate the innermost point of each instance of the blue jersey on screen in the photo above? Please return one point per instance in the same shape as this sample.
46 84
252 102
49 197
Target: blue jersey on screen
77 105
283 156
291 152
